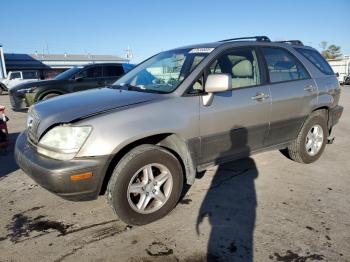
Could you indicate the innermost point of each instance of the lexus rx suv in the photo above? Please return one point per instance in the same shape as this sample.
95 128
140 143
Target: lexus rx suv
179 112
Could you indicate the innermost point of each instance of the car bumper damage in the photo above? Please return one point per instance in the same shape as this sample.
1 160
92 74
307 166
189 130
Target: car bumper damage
78 179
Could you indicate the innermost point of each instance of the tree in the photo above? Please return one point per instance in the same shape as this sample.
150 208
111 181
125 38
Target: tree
330 51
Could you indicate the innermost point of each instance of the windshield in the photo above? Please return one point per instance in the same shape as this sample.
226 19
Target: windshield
68 73
164 72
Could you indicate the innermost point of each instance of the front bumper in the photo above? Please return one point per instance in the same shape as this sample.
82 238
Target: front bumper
18 102
55 175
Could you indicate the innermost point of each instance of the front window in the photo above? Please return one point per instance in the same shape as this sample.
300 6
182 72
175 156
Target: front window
91 72
164 72
68 74
241 65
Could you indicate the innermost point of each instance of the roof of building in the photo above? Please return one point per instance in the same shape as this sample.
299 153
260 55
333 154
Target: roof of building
63 57
44 61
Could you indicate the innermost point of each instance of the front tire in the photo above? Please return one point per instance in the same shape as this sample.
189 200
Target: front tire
145 185
312 139
48 96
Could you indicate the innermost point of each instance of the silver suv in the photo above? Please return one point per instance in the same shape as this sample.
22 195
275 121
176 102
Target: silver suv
177 113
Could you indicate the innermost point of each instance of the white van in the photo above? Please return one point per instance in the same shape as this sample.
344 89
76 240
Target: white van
18 77
341 67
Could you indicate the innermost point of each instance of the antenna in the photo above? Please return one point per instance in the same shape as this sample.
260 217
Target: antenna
129 54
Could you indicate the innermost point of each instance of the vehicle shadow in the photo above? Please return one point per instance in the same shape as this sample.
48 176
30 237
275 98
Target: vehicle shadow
7 158
230 207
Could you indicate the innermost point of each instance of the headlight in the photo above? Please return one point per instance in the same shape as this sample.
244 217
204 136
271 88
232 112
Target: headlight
26 90
63 142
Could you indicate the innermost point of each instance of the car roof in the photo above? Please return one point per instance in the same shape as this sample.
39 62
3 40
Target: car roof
101 64
242 43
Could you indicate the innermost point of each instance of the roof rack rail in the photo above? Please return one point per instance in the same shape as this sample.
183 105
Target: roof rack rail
292 42
257 38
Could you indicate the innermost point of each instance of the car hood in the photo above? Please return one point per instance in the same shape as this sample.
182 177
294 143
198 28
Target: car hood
75 106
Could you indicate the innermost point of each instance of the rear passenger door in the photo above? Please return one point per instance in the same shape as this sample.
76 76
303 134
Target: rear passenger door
111 73
237 120
293 92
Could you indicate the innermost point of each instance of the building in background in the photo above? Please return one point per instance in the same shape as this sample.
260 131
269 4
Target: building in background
342 67
49 65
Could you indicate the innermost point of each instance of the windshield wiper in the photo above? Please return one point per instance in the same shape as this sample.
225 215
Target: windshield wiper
133 88
115 86
130 87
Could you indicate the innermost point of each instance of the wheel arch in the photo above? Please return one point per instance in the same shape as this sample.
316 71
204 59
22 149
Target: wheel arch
327 112
170 141
47 92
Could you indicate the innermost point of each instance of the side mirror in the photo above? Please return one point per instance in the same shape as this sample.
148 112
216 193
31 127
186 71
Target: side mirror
216 83
78 79
337 74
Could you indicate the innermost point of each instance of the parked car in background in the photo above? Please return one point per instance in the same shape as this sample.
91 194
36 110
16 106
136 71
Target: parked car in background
347 80
18 77
75 79
178 113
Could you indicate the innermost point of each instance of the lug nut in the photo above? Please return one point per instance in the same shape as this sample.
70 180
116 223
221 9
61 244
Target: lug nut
153 191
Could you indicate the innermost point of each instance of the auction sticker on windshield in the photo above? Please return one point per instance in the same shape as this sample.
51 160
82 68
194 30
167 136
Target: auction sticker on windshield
201 50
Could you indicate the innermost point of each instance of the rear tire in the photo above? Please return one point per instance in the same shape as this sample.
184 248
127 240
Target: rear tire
145 185
312 139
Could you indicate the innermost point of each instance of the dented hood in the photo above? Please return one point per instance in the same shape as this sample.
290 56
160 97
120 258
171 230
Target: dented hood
75 106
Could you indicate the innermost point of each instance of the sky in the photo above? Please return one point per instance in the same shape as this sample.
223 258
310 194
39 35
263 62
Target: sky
148 27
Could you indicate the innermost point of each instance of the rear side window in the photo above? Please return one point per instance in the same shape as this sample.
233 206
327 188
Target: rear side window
110 71
317 60
283 66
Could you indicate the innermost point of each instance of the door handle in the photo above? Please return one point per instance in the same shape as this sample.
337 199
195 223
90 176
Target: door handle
260 96
310 88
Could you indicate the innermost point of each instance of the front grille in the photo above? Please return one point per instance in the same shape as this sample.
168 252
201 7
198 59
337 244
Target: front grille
33 126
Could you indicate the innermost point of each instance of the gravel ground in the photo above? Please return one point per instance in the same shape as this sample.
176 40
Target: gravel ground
263 208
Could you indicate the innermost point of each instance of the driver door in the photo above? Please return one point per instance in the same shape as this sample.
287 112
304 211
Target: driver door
236 122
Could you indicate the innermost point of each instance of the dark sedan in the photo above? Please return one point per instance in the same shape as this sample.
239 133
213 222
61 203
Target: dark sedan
75 79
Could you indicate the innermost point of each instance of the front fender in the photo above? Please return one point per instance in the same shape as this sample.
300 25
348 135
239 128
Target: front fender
178 117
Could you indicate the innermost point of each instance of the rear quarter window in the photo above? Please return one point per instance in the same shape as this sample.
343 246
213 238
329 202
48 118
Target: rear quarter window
316 59
113 71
